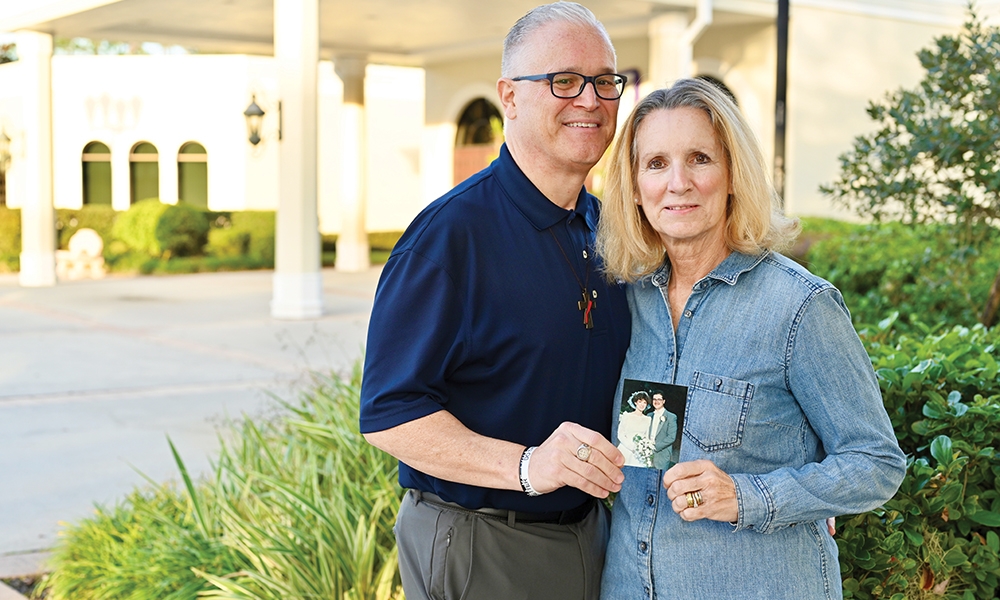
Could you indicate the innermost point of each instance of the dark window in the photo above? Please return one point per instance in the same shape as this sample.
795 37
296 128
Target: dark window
144 171
96 174
192 175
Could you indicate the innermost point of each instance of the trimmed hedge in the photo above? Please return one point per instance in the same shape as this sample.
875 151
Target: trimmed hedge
920 271
136 227
101 218
248 234
10 240
156 229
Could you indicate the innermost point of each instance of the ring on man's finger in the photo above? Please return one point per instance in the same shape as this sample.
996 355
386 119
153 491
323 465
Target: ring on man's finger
691 502
583 452
698 499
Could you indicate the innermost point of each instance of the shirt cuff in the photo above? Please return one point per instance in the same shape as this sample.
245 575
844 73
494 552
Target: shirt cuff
755 503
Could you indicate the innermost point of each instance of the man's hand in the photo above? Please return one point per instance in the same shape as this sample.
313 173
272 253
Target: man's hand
555 463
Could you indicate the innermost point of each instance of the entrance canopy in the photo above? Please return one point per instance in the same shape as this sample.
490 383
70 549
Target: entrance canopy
403 32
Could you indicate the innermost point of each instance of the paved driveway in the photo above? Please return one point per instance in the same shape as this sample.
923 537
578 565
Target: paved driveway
94 375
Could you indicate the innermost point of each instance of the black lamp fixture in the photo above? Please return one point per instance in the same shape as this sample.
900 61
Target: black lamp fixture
254 115
4 152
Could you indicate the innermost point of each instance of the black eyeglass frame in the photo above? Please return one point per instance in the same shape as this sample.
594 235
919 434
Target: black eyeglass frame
591 79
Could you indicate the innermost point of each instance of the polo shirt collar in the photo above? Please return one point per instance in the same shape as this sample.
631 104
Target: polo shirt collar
536 208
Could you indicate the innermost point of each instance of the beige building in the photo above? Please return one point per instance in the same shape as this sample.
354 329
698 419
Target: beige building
384 105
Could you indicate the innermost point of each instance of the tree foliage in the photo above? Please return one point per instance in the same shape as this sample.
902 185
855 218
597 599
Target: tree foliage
936 153
8 53
88 46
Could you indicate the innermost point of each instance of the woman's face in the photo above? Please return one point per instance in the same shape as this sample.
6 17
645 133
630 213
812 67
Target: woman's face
683 177
640 405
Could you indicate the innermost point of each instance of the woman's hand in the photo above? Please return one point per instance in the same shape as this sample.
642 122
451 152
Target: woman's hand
713 493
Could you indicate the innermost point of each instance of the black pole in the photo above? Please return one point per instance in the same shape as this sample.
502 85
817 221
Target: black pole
781 84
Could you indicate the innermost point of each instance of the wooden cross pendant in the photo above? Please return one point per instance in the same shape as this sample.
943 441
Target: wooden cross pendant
587 305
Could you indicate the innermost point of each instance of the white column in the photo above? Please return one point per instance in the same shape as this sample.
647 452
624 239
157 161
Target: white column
121 176
38 232
298 282
437 160
352 243
167 162
666 33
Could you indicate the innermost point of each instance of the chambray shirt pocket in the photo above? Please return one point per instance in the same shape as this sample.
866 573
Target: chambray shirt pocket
717 409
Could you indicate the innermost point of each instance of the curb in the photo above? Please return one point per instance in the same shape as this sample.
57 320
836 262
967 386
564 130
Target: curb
20 565
9 593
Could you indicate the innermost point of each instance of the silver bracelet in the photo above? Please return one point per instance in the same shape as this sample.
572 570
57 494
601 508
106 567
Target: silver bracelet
523 472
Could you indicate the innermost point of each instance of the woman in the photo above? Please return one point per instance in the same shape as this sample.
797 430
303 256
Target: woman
784 425
633 431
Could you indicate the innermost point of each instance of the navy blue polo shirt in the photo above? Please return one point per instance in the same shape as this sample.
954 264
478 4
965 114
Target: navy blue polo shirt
476 313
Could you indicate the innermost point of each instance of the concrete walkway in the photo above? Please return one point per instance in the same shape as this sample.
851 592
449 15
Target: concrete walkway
94 375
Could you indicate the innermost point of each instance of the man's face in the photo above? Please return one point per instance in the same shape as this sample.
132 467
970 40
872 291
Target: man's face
657 402
561 136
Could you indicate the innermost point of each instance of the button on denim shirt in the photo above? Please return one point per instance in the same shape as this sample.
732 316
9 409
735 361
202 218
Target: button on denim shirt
783 398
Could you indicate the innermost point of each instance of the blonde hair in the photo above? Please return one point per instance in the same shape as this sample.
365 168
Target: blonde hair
627 242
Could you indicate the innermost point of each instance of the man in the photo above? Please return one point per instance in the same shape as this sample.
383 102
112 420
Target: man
663 432
495 342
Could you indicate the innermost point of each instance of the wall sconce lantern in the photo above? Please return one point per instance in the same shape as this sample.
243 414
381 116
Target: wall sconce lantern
254 115
4 152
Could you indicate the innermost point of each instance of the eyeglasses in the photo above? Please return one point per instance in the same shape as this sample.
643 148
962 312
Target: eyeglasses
567 84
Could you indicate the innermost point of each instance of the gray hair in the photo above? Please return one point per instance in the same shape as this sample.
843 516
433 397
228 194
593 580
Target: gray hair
565 12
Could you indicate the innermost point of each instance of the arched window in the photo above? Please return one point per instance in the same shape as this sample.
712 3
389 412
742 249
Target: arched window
96 174
480 133
144 171
192 175
479 124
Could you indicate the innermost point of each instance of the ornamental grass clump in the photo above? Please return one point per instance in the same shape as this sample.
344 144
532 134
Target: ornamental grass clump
297 507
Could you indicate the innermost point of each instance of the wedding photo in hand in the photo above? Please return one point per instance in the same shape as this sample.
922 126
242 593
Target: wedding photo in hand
650 423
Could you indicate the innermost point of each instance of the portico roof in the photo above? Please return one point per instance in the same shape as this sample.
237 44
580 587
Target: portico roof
412 32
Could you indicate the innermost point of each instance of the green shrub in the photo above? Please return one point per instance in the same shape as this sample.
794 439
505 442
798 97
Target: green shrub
260 225
137 226
158 229
916 270
100 218
225 243
384 240
297 507
10 239
938 536
201 264
380 245
182 230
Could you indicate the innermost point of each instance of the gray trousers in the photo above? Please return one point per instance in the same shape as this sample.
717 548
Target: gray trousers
448 554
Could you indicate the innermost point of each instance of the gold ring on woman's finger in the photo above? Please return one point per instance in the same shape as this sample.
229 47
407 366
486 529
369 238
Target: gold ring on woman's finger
691 500
583 452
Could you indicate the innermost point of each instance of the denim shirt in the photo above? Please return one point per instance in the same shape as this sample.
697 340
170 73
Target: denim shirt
783 398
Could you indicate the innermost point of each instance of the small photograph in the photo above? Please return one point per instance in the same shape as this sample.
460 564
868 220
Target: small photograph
650 423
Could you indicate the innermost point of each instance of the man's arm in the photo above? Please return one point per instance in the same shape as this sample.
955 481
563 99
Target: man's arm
441 446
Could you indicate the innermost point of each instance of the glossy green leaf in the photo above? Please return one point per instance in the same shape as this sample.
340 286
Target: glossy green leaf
941 449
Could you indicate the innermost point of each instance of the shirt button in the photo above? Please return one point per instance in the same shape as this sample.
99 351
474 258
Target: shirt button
688 313
718 383
585 254
642 546
650 500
